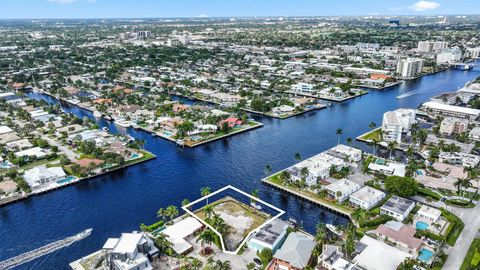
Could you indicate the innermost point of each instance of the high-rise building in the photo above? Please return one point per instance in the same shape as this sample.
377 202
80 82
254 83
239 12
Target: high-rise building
449 56
144 34
473 52
431 46
410 67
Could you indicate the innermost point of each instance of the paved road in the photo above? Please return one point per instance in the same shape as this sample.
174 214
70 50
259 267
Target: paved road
457 253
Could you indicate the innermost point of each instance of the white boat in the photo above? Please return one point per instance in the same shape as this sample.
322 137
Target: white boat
97 114
105 129
123 123
334 229
256 206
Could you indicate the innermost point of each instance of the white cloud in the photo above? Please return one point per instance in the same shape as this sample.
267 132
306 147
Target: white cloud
62 1
424 5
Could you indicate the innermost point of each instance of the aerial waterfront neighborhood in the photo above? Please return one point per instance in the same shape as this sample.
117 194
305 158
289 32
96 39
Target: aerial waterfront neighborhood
239 142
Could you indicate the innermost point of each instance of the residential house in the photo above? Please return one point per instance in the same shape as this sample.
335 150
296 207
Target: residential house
271 236
41 175
366 197
403 236
295 253
374 254
342 189
451 125
397 207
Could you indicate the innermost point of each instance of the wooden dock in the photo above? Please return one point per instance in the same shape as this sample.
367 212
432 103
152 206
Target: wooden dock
318 202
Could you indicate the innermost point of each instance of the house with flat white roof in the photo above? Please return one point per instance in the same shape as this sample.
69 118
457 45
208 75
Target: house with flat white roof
428 214
341 189
271 236
397 122
377 255
397 207
434 109
366 197
388 168
343 151
180 231
35 151
332 258
453 158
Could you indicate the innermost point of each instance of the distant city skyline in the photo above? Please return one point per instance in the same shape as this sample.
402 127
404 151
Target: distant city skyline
43 9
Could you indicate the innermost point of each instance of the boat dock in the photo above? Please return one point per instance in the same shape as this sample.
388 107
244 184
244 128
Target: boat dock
318 202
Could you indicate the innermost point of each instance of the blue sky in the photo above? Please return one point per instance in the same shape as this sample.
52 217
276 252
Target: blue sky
11 9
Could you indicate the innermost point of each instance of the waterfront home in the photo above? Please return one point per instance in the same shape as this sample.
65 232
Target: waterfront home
403 236
434 109
283 109
37 152
332 258
443 176
341 189
85 162
453 158
231 122
41 175
178 234
295 253
131 251
316 170
205 128
395 123
397 207
374 254
271 236
70 129
345 152
8 187
93 135
366 197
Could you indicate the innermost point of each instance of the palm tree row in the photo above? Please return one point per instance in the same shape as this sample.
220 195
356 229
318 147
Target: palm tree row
171 212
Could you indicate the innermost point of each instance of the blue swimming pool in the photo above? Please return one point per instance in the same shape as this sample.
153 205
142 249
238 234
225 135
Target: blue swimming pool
134 156
66 180
425 255
420 225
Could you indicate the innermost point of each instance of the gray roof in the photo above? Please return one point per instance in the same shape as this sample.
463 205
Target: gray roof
270 232
296 250
398 204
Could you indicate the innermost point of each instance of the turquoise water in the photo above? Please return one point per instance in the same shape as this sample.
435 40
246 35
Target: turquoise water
421 225
134 156
419 172
5 165
425 255
380 161
66 180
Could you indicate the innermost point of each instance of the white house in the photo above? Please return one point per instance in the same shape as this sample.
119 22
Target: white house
397 207
35 151
366 197
130 251
397 122
303 88
341 189
428 214
271 236
40 175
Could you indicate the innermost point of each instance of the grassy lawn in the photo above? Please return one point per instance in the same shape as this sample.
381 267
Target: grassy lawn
375 134
454 228
472 258
314 196
34 164
425 192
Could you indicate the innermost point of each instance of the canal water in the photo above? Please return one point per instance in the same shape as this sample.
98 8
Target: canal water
119 202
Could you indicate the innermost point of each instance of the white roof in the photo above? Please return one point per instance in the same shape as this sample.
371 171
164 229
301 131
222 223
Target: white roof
445 107
182 228
127 243
379 256
5 129
35 151
429 211
111 243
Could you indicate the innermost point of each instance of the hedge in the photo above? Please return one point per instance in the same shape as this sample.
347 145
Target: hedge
155 226
374 222
454 229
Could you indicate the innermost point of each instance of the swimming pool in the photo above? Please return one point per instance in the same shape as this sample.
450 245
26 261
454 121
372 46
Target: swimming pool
420 225
134 156
66 180
425 255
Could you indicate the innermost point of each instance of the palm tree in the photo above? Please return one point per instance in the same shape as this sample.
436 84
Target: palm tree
162 243
285 176
206 237
161 213
268 169
172 211
391 146
205 191
410 152
472 172
372 125
320 233
349 141
185 202
297 156
358 216
304 172
208 210
218 223
195 264
339 133
219 265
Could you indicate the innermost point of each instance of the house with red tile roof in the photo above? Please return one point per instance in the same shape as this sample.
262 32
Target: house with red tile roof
400 234
231 121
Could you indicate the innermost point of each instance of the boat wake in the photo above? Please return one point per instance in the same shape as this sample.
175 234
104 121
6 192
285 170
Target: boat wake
410 93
